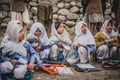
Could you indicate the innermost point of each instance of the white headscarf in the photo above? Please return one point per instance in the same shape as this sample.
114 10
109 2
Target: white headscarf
43 37
13 45
4 40
59 37
9 23
84 39
103 30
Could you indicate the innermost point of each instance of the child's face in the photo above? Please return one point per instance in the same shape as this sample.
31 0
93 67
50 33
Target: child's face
60 29
21 35
109 27
84 29
38 32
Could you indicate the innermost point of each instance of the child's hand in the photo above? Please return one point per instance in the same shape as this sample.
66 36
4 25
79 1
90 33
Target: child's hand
38 48
13 61
31 66
78 45
60 44
102 42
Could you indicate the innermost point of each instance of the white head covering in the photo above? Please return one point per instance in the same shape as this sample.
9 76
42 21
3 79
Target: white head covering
9 23
43 37
59 37
13 45
5 38
103 30
84 39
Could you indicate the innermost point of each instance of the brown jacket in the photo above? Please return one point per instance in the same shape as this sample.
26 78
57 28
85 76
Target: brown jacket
18 5
100 37
93 6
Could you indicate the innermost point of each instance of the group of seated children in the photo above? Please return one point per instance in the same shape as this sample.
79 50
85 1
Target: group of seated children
20 54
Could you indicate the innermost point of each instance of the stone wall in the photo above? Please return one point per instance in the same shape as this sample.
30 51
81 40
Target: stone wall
68 10
4 12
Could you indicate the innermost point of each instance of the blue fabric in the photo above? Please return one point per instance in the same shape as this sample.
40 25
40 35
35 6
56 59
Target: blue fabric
75 53
30 51
30 56
15 56
27 76
45 47
21 59
89 48
4 57
60 56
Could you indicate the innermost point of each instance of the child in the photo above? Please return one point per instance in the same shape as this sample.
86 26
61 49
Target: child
105 41
36 44
17 55
84 44
60 41
38 31
4 40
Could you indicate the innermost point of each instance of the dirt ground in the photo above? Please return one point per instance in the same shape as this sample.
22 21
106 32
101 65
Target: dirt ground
104 74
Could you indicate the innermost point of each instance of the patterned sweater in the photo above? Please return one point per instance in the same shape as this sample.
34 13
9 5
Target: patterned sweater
100 37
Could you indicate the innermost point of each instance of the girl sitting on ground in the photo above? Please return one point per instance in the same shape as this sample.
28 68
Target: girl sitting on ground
36 44
17 54
105 41
38 31
60 42
84 44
